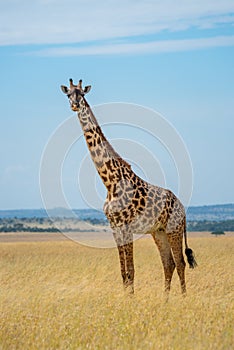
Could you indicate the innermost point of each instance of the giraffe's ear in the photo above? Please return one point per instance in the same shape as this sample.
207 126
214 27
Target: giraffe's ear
64 89
87 89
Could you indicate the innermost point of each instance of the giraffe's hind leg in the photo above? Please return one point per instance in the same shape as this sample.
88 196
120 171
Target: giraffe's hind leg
176 242
168 263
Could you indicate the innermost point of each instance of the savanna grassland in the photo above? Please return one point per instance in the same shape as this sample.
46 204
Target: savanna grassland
60 295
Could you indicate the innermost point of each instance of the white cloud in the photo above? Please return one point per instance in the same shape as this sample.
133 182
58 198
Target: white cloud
16 169
76 21
140 48
14 172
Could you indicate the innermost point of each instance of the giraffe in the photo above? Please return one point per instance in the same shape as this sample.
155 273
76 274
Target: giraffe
133 205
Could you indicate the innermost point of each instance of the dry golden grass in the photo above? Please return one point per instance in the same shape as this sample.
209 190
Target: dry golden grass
60 295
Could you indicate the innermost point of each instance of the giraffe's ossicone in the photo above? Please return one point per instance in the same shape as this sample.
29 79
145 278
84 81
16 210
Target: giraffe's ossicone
132 205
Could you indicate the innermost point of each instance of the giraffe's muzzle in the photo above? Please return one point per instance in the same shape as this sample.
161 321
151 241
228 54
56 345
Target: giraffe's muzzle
75 107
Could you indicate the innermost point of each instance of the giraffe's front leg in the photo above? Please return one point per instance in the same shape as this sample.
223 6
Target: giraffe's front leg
129 282
122 263
125 249
119 242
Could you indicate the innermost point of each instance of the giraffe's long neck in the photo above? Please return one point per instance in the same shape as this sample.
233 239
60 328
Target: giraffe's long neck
108 162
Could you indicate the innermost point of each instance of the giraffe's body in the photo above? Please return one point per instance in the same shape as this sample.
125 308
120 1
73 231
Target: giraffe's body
132 205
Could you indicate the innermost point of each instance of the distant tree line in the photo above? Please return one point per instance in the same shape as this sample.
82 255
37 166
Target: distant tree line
227 225
95 221
36 224
47 225
21 228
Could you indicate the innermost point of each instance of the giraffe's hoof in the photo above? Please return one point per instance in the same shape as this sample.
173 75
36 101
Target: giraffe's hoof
129 289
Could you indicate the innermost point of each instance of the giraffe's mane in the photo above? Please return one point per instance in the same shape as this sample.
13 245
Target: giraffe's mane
121 160
109 147
113 152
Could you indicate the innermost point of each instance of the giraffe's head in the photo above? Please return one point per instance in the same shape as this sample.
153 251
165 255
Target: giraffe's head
75 93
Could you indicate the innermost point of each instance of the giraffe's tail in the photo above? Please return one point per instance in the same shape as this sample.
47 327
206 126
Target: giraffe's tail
188 252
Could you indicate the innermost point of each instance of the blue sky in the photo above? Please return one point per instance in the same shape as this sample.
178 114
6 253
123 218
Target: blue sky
175 57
